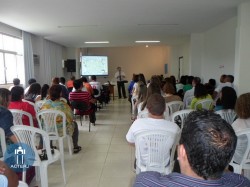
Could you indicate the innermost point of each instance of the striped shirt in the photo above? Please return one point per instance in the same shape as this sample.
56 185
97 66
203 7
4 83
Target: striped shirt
154 179
80 96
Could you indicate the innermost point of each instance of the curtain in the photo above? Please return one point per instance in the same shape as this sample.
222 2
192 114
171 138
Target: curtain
28 57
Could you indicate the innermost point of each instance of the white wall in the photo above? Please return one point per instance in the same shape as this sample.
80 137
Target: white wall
218 56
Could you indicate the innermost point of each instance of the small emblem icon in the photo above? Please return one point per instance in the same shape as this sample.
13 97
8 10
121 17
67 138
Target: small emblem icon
20 152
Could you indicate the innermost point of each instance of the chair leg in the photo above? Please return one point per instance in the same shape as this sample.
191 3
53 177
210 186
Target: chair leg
89 126
44 175
24 176
69 144
81 119
38 176
63 169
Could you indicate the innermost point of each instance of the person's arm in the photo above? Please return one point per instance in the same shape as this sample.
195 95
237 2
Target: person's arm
11 175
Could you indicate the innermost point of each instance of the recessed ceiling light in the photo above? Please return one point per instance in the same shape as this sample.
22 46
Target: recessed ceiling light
97 42
149 41
156 41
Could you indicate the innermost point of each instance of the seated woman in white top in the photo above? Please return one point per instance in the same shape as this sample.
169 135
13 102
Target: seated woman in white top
242 109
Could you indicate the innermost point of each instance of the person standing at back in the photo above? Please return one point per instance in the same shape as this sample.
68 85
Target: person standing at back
120 77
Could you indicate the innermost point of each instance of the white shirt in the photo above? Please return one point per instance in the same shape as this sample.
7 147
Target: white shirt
149 124
96 85
220 86
240 124
120 76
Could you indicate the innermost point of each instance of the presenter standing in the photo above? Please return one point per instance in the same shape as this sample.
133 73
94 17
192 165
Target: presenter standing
120 77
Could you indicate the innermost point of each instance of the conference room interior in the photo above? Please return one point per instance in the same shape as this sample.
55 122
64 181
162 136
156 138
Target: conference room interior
106 158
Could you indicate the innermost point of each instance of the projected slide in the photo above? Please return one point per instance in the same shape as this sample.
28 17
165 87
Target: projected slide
94 65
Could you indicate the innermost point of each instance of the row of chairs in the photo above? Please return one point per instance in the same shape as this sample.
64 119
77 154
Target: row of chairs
175 113
47 120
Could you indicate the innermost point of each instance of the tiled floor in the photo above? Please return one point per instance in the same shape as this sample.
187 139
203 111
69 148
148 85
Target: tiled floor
106 159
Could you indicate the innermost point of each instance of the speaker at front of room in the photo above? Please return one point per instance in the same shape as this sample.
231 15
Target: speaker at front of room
71 65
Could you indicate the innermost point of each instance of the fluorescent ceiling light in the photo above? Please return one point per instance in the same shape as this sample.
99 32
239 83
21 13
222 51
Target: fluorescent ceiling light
97 42
147 41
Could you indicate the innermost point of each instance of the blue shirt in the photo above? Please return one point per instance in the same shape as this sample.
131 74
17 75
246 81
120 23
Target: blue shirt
6 121
154 179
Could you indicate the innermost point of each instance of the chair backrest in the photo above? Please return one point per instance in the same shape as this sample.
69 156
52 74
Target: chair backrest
204 104
80 105
28 135
48 121
39 104
153 150
228 115
245 163
174 106
188 101
3 142
180 116
19 117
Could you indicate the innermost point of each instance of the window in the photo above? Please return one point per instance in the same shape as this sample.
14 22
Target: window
11 59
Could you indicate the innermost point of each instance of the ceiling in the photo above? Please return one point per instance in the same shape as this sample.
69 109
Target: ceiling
71 23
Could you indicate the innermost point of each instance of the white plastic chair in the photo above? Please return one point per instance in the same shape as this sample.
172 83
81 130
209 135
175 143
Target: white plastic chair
153 151
182 116
188 102
18 117
38 105
47 120
174 106
204 103
3 142
27 135
228 115
245 163
22 184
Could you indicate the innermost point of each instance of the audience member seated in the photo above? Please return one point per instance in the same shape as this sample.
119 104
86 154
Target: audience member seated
56 104
169 92
141 97
84 96
190 93
33 92
207 145
87 85
181 83
6 118
152 89
44 93
210 86
200 93
30 81
95 85
228 81
227 99
188 86
5 171
17 94
16 82
156 107
130 88
65 92
69 83
242 109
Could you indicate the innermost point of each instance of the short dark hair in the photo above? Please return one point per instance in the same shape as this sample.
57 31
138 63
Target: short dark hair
55 92
230 78
156 104
84 79
44 91
16 93
35 88
16 81
209 142
197 80
200 91
212 82
62 80
31 81
228 97
77 84
93 77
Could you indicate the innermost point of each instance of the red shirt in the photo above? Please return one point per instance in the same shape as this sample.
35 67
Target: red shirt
25 106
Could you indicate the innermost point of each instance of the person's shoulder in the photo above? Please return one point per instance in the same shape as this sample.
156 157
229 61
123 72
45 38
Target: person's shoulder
233 179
